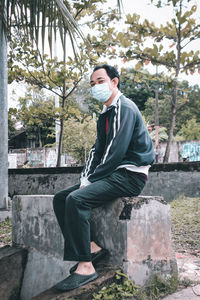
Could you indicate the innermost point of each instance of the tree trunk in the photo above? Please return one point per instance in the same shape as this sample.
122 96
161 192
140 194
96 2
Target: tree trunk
3 119
39 137
172 123
156 119
60 145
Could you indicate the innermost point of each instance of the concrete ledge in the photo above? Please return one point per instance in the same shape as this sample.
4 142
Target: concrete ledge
137 232
12 265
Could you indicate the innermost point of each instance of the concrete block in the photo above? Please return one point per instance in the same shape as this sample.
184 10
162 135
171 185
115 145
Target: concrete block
12 265
137 232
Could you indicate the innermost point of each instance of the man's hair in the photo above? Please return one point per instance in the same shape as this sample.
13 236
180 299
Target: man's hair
111 71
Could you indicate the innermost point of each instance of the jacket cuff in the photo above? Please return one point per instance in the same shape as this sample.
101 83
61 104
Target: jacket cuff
85 181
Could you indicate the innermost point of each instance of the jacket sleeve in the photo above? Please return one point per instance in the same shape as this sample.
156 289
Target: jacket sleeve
115 151
94 158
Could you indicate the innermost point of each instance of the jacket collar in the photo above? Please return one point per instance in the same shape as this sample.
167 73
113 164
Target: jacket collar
114 103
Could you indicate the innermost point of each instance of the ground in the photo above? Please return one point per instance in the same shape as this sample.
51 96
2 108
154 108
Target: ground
186 225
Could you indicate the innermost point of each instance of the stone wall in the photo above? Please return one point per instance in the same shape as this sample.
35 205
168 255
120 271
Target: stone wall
168 180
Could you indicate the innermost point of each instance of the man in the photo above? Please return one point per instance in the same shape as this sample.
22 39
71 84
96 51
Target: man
117 166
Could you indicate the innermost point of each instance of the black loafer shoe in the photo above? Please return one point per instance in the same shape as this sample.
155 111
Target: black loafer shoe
96 257
74 281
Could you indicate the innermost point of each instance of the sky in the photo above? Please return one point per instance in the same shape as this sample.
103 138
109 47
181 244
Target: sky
146 11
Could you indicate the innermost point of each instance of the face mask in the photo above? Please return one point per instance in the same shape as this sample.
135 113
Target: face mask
101 92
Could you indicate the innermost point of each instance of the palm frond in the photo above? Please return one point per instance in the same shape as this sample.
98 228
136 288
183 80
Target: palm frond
33 17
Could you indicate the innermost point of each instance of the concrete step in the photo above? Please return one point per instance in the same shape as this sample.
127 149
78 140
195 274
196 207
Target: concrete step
106 277
5 213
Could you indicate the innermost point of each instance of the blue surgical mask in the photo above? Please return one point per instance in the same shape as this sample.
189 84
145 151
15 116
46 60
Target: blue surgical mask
101 92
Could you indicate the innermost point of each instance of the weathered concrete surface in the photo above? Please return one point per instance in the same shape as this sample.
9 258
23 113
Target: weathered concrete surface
167 180
191 293
106 277
137 232
12 265
4 214
42 272
35 225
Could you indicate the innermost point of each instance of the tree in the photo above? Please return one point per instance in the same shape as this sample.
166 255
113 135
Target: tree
187 107
170 48
191 130
79 136
59 77
37 113
138 85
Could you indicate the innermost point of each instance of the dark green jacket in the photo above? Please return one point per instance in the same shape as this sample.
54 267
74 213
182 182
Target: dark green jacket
127 141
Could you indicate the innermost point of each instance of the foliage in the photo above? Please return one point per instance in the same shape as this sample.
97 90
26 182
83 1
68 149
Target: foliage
162 134
41 13
79 136
191 130
11 125
36 112
137 86
26 64
185 223
187 107
124 288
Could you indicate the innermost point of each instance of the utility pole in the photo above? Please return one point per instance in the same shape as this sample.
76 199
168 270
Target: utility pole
156 117
3 119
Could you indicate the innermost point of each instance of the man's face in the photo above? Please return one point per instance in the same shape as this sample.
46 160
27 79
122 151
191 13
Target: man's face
100 76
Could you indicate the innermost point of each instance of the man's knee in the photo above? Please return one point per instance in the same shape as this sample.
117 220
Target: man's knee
72 200
57 198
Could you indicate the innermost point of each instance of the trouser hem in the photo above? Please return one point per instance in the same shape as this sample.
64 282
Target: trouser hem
77 258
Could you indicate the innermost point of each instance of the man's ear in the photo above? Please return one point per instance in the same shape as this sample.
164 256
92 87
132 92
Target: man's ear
115 81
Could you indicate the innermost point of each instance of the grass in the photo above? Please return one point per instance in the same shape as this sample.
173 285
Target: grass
123 289
5 232
186 224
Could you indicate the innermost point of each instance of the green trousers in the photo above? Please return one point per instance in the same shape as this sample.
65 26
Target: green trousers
73 205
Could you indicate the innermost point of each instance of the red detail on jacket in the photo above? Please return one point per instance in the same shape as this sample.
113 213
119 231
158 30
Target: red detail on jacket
107 124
